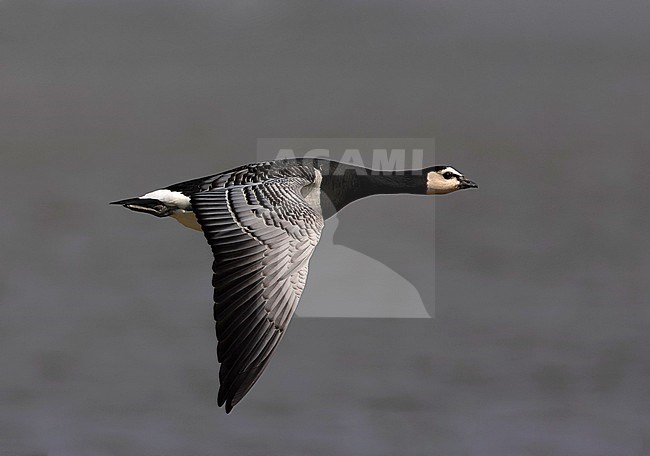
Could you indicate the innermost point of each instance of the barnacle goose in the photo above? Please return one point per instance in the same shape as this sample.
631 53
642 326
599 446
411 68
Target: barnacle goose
263 221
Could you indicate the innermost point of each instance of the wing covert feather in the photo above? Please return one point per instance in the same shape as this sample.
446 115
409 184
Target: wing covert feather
262 236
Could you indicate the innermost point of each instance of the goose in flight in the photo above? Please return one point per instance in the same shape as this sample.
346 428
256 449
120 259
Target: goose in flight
263 221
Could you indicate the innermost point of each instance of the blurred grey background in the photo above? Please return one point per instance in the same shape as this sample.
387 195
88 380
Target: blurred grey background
540 341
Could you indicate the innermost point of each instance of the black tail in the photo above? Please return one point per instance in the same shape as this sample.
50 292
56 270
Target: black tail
146 205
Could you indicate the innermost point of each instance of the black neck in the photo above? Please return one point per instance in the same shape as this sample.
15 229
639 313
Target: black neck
344 183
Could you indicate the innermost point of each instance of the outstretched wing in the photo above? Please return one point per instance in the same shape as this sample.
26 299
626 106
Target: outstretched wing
262 236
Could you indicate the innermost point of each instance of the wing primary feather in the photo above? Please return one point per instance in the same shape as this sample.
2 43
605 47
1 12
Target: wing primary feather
238 360
262 234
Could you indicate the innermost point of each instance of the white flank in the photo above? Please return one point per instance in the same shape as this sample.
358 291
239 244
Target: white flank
187 218
319 177
313 197
168 197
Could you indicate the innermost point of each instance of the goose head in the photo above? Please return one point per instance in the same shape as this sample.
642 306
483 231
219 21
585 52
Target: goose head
445 179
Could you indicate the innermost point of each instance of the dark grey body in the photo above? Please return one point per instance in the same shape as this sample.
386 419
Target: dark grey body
341 183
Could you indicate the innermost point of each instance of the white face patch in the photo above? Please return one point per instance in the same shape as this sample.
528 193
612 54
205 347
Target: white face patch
438 185
451 170
168 197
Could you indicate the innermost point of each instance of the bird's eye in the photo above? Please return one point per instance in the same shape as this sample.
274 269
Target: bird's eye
448 175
